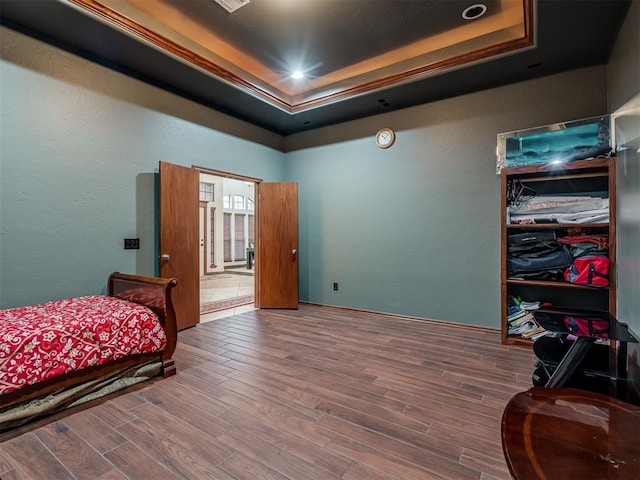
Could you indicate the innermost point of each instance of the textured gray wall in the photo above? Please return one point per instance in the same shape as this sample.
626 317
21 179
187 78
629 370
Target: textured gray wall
624 102
415 229
623 70
79 152
412 230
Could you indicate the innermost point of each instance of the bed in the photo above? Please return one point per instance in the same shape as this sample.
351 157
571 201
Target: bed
60 354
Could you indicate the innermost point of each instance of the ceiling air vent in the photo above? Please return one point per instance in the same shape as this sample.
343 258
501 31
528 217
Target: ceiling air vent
231 5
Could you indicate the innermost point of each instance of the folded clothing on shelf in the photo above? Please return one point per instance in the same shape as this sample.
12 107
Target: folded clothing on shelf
560 209
529 305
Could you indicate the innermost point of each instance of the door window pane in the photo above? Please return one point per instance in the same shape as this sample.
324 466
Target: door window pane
212 238
250 230
239 240
227 237
206 192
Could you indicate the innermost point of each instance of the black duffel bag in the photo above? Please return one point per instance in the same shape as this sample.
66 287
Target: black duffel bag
532 244
536 252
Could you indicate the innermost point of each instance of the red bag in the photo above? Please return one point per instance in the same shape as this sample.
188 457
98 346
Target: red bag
601 241
587 327
592 270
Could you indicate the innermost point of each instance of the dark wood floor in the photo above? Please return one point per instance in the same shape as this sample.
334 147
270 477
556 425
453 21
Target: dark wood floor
318 393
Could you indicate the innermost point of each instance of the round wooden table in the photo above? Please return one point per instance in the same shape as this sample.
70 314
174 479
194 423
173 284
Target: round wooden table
565 433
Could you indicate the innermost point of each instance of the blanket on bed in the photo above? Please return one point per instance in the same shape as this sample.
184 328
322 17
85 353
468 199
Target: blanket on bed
39 342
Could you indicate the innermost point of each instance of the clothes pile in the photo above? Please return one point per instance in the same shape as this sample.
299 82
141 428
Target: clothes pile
559 209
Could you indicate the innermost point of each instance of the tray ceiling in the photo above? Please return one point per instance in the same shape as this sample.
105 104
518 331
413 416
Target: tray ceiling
357 57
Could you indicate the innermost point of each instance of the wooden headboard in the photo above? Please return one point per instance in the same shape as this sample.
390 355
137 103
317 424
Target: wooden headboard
152 292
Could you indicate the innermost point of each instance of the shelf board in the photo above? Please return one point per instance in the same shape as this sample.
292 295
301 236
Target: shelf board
566 176
556 225
517 340
551 283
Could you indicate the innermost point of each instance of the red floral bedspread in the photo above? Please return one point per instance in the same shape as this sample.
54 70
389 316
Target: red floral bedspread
39 342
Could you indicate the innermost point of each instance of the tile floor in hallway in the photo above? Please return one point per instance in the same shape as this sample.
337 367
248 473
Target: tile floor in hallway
237 283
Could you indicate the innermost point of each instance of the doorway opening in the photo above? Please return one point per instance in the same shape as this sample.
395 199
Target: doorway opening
227 239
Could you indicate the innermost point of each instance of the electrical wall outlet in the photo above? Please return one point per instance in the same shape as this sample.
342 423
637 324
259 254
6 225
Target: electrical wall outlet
131 243
335 286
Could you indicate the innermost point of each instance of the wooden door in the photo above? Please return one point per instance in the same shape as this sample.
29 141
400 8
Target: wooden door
179 239
276 253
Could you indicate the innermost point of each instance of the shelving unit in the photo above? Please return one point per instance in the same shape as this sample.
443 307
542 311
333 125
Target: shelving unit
574 178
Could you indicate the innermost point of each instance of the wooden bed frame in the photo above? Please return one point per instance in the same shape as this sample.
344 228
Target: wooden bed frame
155 293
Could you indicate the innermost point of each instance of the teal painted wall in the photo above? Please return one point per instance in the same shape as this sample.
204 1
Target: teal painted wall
79 152
412 230
415 229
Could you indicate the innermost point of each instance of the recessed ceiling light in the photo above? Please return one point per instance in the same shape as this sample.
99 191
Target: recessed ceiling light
297 75
474 11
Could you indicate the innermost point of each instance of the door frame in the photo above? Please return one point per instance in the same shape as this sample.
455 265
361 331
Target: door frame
202 220
244 178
